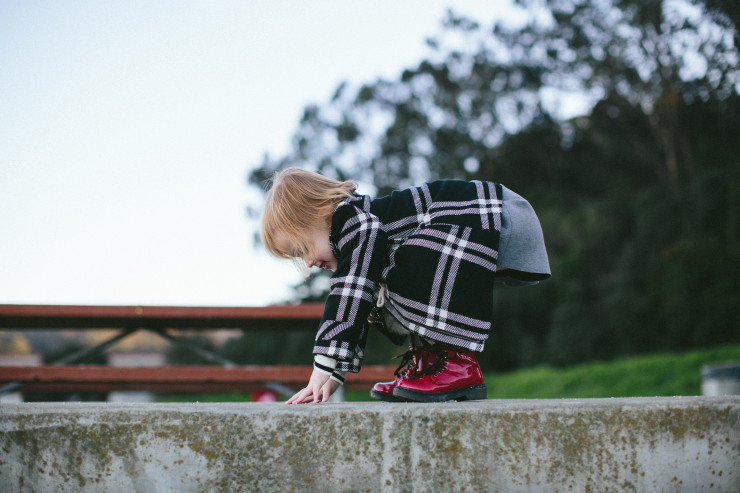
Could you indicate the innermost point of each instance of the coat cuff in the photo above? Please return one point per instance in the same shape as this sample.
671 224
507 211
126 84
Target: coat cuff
327 366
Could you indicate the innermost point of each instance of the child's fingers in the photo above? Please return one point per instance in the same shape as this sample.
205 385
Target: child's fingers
293 399
317 395
314 396
308 395
307 399
300 397
326 391
296 399
313 393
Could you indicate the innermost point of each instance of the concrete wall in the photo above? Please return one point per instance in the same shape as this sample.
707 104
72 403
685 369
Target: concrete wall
658 444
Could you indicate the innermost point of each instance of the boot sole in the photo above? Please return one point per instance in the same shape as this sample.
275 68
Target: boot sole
472 393
385 397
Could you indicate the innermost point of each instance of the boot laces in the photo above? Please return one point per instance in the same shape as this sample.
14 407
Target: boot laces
407 363
443 354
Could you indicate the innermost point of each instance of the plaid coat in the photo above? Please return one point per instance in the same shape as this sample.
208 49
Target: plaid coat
430 252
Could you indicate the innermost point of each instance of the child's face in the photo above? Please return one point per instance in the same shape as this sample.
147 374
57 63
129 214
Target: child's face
319 254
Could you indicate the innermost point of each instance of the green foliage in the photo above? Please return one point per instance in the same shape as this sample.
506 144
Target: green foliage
663 374
638 197
209 397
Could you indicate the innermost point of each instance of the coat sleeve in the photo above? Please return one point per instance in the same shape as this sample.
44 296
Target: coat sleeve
360 241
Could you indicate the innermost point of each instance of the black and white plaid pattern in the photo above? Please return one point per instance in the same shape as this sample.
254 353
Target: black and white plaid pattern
434 247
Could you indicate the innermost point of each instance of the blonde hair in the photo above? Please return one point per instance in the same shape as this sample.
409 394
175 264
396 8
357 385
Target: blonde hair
298 202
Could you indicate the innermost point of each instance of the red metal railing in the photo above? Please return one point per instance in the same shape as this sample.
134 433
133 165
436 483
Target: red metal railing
65 375
303 316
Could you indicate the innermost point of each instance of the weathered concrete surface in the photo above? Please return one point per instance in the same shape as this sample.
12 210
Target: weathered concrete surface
658 444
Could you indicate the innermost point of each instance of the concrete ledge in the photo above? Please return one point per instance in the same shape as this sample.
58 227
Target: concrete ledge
657 444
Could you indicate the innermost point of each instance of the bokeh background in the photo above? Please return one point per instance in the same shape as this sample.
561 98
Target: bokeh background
135 139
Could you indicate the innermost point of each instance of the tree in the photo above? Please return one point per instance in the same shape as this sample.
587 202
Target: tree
444 117
629 191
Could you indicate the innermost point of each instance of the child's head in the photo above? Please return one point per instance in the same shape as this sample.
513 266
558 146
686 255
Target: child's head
298 203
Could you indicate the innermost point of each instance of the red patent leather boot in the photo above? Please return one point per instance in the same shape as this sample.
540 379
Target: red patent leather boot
410 364
453 374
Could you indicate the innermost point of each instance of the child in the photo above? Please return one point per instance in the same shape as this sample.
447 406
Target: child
420 262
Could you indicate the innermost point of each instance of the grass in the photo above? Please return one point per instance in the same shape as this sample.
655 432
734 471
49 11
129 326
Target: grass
662 374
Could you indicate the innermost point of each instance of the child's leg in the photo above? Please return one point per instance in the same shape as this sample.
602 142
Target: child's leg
383 391
415 339
430 371
410 361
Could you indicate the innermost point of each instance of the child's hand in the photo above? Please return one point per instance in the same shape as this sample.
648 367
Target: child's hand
319 388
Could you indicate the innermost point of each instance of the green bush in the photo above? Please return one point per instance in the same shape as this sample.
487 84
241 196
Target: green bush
662 374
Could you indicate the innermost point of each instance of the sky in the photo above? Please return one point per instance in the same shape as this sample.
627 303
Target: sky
127 130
